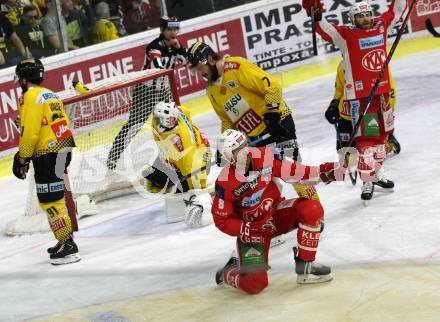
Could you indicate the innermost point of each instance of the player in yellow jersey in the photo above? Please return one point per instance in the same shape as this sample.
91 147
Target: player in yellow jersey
339 114
250 100
184 161
47 141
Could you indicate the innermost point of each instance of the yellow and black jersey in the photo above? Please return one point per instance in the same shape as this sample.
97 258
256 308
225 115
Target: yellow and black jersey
44 126
185 146
243 93
104 30
344 110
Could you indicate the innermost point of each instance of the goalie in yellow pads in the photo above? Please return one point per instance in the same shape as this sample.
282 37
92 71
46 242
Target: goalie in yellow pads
183 164
47 141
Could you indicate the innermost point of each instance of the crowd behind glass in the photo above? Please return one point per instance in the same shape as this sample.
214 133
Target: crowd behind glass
32 28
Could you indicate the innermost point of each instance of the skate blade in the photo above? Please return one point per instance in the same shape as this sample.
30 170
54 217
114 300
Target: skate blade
365 203
276 242
313 279
384 190
69 259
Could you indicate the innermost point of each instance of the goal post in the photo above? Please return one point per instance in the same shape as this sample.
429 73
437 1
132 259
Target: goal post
113 141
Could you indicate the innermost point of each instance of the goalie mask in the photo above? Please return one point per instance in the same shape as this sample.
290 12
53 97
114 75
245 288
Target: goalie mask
360 8
166 114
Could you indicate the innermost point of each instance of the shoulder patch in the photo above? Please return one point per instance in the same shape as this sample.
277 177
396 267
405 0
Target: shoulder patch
231 65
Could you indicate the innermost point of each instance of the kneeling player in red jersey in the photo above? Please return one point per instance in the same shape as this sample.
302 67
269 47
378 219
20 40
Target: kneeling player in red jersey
248 205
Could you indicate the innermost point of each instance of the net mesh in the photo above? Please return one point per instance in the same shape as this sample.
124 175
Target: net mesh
112 133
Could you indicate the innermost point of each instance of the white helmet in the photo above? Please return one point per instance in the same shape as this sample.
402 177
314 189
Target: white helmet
359 7
166 114
228 142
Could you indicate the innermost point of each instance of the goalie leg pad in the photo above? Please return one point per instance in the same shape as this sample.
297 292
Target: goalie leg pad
59 220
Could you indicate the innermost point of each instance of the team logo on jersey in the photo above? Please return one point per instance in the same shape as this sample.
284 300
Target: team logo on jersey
232 84
230 106
61 130
256 213
371 42
253 199
248 122
231 66
374 60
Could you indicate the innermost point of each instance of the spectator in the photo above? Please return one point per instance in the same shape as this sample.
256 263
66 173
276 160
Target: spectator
104 29
140 15
78 23
7 33
14 9
31 34
51 29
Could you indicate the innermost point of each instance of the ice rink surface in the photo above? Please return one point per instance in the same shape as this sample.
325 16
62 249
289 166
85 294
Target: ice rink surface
385 257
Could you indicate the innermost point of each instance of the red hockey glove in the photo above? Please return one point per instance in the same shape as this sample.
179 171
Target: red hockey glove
255 232
308 4
332 171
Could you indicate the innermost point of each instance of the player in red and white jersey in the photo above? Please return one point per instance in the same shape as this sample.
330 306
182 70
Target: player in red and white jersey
363 48
249 206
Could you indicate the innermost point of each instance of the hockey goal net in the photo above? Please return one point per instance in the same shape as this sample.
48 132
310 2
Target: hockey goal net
113 141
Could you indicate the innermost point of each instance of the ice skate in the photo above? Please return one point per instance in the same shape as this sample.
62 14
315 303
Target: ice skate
310 272
382 182
220 274
67 253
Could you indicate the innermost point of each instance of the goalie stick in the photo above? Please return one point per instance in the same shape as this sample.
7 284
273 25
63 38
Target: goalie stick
430 27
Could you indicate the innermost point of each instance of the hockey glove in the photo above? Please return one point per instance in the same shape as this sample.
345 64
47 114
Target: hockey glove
20 166
256 232
274 127
332 171
308 4
332 112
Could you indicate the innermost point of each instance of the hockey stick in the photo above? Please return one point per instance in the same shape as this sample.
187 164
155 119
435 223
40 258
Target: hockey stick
312 17
353 176
379 78
430 27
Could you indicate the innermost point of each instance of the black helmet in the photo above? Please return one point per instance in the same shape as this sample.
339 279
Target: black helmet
31 69
198 53
169 22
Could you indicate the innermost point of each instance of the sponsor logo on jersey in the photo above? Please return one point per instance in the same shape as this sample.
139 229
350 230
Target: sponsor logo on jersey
345 137
230 106
45 96
232 85
358 85
354 110
223 90
252 252
374 60
220 191
177 141
246 186
42 188
253 199
248 122
231 66
51 144
44 121
371 124
56 186
371 42
260 211
61 130
55 106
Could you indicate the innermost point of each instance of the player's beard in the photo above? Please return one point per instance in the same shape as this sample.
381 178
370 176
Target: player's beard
214 72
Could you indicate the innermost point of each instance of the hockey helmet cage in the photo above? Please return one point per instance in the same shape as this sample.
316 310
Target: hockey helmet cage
166 114
31 69
359 7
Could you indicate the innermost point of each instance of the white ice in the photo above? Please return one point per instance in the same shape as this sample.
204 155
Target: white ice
128 250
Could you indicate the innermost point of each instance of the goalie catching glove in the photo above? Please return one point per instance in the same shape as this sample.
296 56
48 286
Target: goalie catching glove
256 232
20 166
